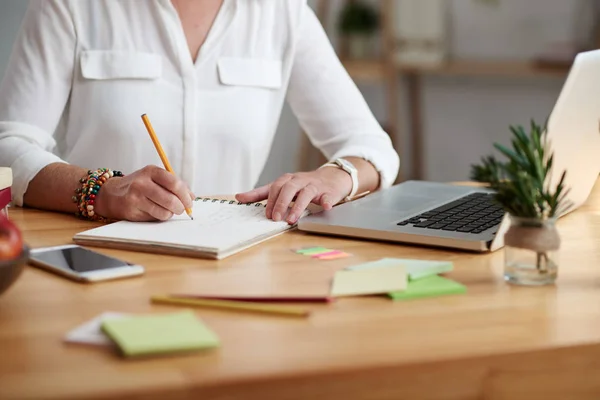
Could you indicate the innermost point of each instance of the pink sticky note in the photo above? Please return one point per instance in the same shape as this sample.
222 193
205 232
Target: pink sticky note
328 253
333 255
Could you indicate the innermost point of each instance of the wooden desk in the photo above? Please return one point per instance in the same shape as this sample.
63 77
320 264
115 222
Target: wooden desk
496 342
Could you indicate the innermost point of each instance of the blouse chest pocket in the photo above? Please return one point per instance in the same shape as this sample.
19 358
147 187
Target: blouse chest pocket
116 87
250 72
247 102
111 64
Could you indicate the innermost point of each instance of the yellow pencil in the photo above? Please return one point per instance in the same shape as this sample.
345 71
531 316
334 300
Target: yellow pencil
233 305
161 152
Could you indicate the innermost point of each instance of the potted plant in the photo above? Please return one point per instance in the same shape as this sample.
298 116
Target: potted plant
358 24
523 189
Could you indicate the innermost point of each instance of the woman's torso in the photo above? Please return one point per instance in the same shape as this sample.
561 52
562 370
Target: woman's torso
215 118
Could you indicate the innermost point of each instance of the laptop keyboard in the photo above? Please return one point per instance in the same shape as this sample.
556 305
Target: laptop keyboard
474 213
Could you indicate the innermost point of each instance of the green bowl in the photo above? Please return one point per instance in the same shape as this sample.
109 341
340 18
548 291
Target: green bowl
10 270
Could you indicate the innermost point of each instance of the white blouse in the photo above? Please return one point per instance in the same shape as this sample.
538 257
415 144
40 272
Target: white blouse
83 72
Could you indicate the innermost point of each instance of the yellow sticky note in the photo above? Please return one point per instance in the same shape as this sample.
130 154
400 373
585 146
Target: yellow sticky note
369 281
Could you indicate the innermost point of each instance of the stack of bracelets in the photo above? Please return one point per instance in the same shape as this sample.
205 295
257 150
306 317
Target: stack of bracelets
85 195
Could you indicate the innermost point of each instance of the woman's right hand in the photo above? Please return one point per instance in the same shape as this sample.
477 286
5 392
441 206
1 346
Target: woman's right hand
148 194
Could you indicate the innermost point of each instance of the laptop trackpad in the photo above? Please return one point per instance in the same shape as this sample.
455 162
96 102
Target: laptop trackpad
412 197
403 203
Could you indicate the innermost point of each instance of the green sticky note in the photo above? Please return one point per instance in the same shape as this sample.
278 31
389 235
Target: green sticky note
157 334
415 269
429 287
313 250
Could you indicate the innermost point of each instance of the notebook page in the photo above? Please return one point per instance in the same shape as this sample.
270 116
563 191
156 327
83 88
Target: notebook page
216 226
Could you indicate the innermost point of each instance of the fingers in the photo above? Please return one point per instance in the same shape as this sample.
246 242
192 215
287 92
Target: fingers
173 184
140 216
138 202
148 194
274 191
304 198
165 199
258 194
328 200
288 192
154 210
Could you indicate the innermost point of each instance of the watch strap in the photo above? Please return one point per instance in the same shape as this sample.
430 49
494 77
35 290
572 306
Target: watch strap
353 172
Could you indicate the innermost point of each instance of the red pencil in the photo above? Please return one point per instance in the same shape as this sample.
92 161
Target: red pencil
262 299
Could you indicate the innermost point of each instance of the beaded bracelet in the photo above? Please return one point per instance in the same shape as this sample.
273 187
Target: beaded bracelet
85 196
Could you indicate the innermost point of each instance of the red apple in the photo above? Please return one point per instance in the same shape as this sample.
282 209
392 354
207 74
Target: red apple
11 240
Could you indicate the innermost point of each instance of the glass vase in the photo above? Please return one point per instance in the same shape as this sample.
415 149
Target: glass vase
531 250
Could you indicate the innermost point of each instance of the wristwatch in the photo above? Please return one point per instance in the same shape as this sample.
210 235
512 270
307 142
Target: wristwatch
347 166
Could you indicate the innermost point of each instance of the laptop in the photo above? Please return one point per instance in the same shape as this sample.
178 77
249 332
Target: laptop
466 218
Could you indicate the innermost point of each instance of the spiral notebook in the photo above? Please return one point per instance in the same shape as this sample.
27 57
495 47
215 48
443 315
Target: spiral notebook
219 229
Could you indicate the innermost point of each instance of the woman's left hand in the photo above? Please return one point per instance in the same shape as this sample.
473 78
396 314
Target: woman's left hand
325 187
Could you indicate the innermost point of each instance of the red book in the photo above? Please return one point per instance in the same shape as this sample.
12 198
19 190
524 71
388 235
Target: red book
6 179
5 198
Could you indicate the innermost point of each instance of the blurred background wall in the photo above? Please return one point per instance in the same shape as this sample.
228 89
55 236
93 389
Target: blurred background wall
461 114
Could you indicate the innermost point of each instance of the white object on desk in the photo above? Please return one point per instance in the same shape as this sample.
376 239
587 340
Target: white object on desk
6 177
91 331
219 229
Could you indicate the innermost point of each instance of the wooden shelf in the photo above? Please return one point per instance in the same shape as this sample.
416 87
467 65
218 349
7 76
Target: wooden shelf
381 71
375 70
489 68
366 70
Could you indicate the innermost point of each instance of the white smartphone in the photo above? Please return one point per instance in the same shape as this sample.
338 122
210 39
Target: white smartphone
82 264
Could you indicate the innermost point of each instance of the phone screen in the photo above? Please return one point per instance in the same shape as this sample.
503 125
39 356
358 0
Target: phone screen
77 259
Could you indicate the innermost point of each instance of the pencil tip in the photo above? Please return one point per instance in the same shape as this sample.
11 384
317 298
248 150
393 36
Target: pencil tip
192 218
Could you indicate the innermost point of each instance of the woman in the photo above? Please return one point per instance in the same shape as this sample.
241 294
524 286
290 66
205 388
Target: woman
212 76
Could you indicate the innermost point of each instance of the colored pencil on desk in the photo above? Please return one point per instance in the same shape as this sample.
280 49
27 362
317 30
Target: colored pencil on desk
234 305
161 152
260 299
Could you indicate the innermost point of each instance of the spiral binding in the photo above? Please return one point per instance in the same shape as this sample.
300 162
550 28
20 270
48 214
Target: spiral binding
221 201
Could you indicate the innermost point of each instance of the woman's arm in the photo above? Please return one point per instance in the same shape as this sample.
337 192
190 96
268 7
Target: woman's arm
338 121
33 96
331 109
